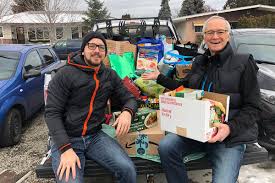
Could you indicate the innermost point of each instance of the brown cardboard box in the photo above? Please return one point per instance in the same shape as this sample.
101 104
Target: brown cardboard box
144 142
119 47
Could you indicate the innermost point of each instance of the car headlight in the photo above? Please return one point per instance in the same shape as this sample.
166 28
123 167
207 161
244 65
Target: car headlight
268 96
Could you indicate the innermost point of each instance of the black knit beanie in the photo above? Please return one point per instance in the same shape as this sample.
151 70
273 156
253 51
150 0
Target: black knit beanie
91 35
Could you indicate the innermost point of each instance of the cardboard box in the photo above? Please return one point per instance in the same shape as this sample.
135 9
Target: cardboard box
142 143
190 118
119 47
144 118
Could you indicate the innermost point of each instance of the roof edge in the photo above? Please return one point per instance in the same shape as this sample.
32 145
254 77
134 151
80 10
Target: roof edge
266 7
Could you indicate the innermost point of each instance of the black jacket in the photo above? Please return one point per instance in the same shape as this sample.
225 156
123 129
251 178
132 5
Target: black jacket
77 99
234 75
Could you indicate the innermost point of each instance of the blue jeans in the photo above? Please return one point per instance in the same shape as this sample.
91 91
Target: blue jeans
225 161
102 149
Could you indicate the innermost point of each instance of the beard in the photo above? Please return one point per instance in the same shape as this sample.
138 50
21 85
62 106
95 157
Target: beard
91 61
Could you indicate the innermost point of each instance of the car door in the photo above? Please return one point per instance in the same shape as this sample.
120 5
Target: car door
33 87
49 60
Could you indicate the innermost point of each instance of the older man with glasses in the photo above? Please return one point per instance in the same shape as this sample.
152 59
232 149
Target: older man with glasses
222 71
75 112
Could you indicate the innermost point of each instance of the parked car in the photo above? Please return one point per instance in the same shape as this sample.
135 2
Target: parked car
64 47
261 44
22 69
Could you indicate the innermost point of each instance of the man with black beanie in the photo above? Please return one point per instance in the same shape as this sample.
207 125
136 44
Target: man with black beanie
75 112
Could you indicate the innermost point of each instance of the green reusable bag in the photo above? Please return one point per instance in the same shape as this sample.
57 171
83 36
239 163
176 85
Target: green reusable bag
124 65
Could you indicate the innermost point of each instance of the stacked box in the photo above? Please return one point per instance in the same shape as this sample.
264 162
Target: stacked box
119 47
142 143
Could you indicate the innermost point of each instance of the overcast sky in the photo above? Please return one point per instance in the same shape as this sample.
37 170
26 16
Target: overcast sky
141 8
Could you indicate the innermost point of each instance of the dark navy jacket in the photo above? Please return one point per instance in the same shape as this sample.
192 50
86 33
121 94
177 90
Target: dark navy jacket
234 75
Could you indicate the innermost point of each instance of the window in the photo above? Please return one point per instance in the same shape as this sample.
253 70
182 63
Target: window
74 43
8 63
40 33
260 45
1 32
46 34
33 61
60 44
198 28
32 34
85 30
59 32
75 34
47 56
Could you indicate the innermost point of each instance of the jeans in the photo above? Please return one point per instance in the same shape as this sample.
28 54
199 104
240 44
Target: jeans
102 149
225 161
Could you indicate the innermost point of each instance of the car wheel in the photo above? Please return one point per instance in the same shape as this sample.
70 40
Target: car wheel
11 133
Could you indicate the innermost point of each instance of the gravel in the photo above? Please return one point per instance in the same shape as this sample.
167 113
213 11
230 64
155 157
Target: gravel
23 157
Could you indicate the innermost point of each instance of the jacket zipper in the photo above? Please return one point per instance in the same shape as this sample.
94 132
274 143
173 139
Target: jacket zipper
85 125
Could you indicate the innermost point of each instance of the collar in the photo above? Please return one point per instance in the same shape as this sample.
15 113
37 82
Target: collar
221 57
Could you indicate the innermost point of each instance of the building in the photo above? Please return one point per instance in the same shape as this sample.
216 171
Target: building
35 27
190 27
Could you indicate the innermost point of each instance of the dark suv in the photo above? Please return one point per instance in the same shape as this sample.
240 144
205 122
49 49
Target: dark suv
64 47
261 44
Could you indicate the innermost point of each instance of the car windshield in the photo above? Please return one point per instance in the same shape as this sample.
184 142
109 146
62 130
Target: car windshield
262 47
75 43
8 63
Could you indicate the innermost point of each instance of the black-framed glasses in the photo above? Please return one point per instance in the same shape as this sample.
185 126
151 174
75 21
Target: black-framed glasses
211 33
93 46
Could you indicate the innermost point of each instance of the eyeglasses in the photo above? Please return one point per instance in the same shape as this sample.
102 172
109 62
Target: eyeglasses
211 33
93 46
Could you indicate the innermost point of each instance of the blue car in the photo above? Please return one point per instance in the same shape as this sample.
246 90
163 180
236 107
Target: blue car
22 70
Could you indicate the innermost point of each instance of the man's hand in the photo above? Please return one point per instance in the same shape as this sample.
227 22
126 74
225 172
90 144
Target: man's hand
123 123
67 163
223 132
150 75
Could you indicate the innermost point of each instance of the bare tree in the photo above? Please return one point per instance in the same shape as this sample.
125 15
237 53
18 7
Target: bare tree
19 6
54 14
4 8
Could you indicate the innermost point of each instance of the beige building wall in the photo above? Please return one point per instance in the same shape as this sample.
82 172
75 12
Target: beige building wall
7 36
180 27
7 32
186 28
